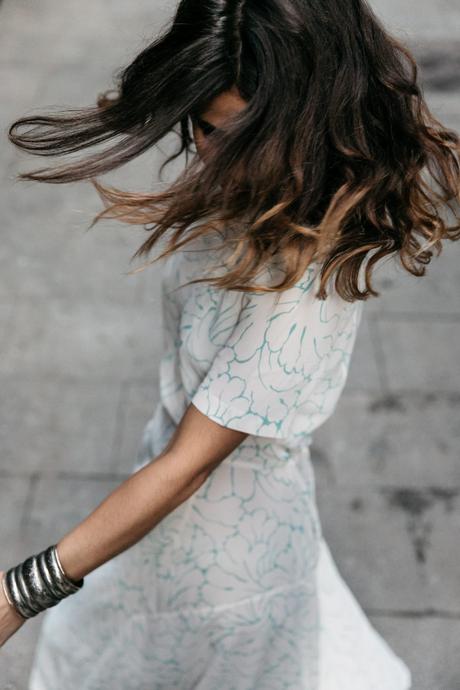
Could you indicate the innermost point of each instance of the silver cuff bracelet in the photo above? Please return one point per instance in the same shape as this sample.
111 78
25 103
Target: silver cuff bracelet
38 583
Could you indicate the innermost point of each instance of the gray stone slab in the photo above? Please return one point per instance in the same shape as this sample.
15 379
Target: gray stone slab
72 30
445 106
400 439
84 267
37 221
60 504
394 545
6 322
436 294
439 63
363 373
429 646
19 89
137 405
14 495
98 340
420 355
58 424
48 248
427 20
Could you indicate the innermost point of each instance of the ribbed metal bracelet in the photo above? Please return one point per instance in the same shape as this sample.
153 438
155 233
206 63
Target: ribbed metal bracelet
38 583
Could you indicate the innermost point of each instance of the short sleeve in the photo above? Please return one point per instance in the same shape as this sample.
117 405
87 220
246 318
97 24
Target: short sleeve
270 362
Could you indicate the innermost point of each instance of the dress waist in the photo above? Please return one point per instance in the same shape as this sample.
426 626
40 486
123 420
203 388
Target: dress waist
258 452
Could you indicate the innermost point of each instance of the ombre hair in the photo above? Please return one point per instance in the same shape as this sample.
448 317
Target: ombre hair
335 159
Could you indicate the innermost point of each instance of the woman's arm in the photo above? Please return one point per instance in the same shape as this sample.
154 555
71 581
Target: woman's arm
146 497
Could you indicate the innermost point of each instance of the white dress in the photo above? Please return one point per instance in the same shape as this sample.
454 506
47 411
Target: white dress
236 588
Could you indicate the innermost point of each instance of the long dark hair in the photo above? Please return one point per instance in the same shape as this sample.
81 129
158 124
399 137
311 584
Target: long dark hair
336 158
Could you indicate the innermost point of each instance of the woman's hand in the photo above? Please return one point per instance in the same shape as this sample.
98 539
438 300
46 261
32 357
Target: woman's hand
10 619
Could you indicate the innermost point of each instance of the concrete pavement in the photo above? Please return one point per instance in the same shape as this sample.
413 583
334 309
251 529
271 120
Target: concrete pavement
80 343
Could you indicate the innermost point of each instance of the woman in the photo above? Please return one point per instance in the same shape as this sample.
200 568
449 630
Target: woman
206 568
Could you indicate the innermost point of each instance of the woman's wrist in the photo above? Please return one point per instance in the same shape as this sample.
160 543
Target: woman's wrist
4 595
38 583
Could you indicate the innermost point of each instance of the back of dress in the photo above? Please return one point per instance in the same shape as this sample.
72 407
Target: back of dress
282 365
270 365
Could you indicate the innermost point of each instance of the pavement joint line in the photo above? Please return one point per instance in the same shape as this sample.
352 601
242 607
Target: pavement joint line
29 500
412 613
65 377
120 416
61 474
109 476
386 314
